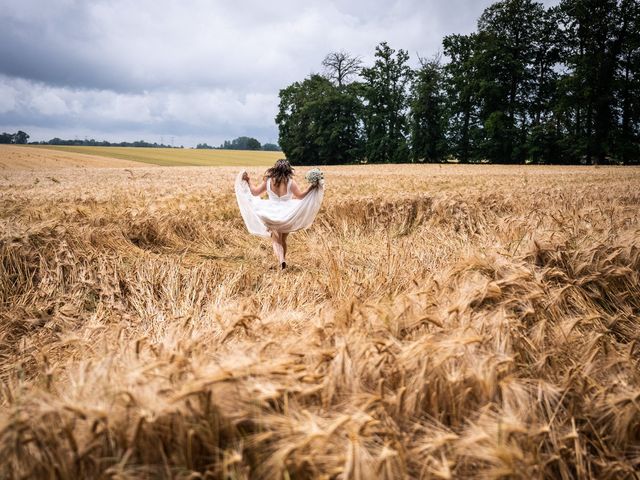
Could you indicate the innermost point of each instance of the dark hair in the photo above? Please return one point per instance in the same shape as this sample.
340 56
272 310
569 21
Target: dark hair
280 172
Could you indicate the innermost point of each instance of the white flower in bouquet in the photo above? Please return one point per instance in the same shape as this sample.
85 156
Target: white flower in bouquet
315 177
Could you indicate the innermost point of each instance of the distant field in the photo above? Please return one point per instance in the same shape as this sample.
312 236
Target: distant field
20 157
175 156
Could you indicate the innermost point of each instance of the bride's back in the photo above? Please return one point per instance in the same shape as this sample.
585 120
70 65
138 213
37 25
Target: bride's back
280 190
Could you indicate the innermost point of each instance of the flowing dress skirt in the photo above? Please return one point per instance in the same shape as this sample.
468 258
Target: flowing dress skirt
283 216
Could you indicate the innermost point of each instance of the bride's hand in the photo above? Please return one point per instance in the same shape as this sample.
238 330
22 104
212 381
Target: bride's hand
245 177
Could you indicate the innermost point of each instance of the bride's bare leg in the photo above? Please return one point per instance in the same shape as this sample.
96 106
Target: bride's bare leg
278 250
283 238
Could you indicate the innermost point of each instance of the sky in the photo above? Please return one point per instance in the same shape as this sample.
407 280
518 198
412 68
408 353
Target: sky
190 71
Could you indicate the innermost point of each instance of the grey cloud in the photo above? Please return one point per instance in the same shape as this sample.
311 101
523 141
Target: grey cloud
191 68
207 112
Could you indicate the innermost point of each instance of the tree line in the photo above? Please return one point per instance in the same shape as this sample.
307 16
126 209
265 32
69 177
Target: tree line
242 143
531 85
102 143
18 138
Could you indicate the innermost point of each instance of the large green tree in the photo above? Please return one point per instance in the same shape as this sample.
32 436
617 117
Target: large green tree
428 119
386 103
319 123
508 34
627 84
592 43
543 140
461 85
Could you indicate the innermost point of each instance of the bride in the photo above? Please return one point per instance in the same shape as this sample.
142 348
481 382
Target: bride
286 210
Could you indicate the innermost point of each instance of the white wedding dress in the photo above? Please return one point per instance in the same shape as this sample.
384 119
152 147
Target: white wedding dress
283 214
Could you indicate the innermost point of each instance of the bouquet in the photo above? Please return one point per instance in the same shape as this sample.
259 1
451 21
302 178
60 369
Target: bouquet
315 177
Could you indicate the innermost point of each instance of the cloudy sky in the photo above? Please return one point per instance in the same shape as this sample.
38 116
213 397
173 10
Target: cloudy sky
190 71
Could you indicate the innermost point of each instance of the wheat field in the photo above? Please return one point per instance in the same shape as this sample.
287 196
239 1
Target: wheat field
435 322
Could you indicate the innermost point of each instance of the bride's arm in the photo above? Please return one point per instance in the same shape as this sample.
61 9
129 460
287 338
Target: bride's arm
255 191
299 194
